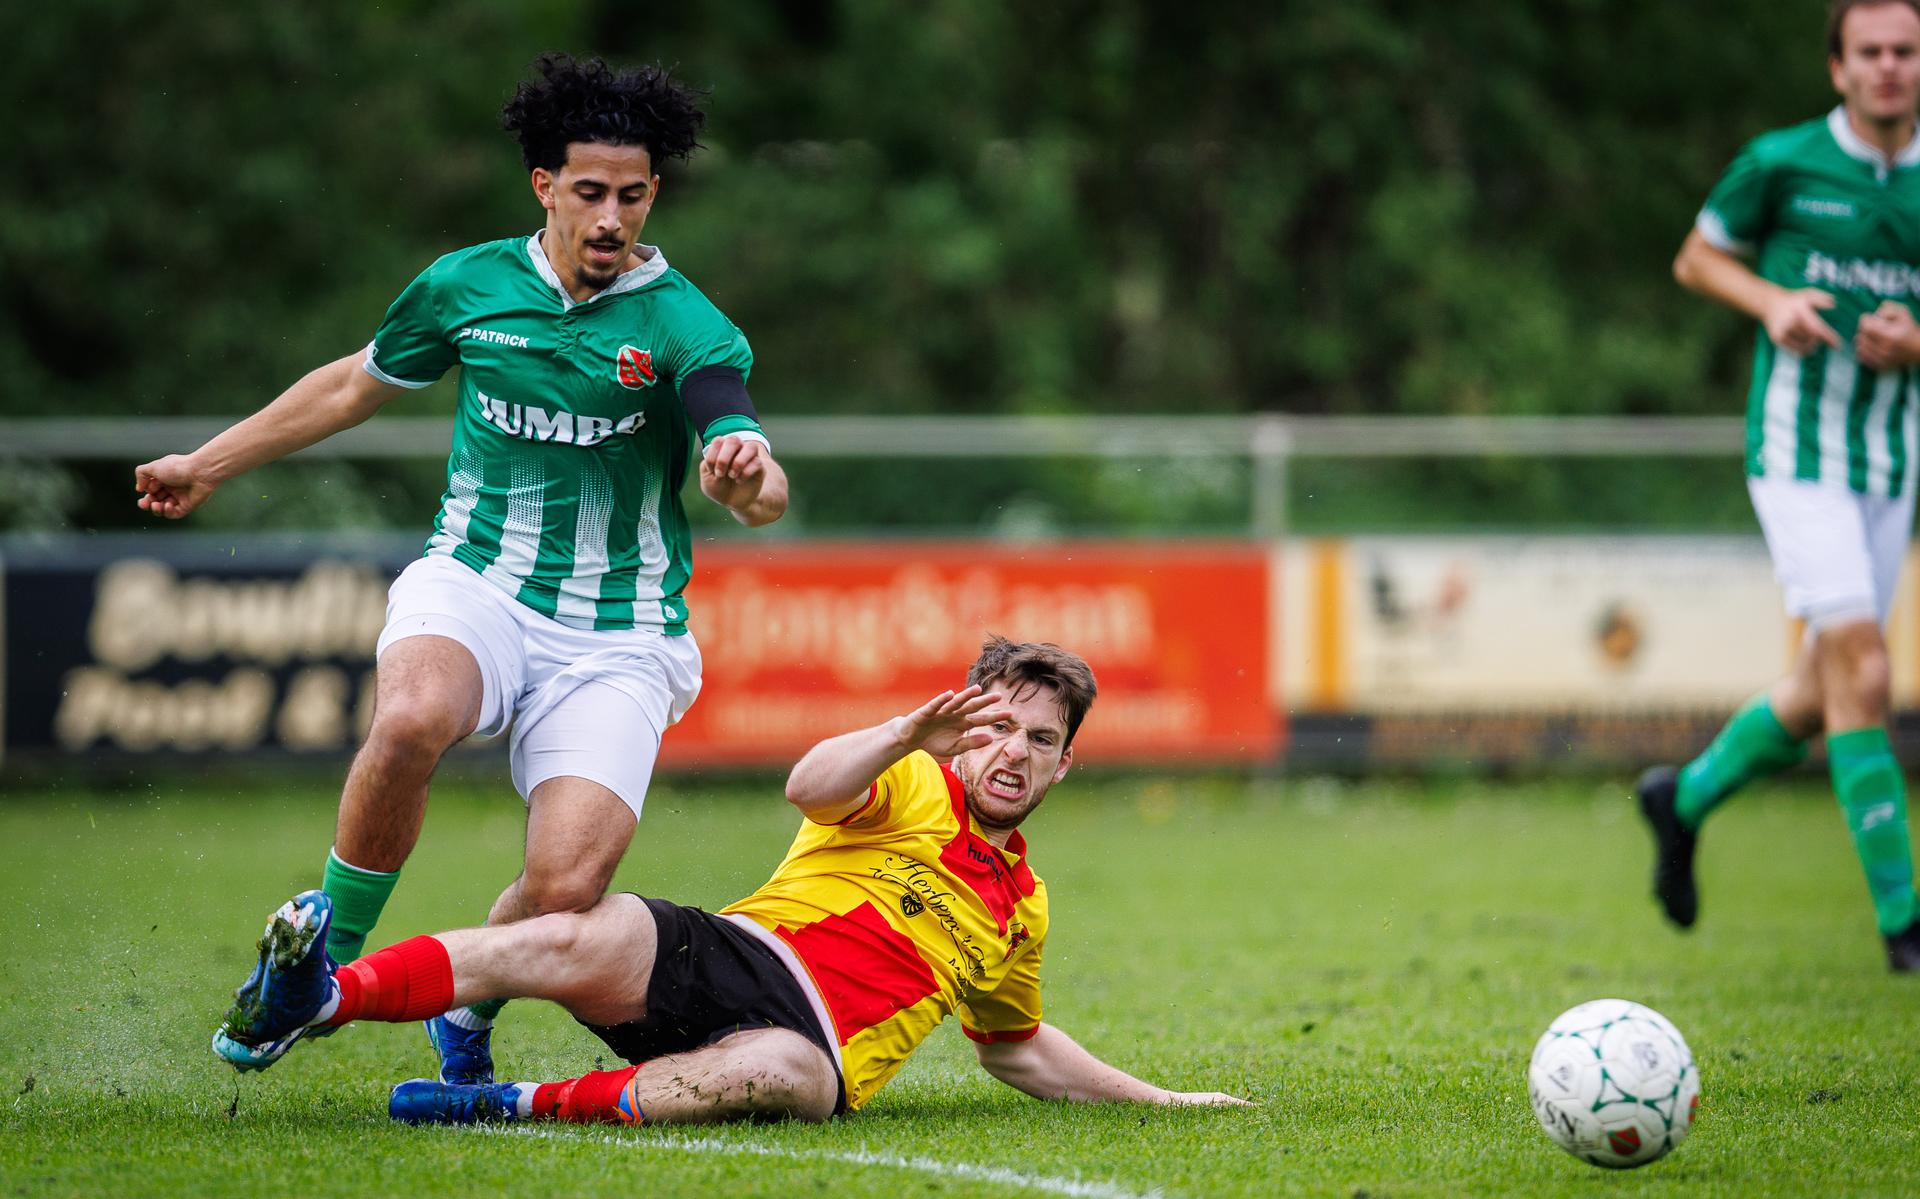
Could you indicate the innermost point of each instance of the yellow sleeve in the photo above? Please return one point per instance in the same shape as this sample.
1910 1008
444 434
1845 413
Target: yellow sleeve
899 795
1011 1011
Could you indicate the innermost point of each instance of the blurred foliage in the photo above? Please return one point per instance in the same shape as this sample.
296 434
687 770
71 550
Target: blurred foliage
1055 206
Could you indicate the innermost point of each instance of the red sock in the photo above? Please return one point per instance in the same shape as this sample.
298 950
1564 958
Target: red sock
409 981
602 1097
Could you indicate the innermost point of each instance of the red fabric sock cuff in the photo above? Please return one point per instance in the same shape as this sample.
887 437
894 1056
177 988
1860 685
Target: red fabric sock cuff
409 981
595 1098
550 1097
429 977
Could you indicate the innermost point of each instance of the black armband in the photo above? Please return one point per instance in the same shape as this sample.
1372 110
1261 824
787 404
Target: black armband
714 393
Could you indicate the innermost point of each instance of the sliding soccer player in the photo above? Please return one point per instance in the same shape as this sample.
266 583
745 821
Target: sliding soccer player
909 895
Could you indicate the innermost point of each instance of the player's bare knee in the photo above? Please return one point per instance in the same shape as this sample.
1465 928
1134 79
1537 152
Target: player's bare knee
595 963
570 890
413 731
814 1098
1870 679
815 1106
795 1079
1863 667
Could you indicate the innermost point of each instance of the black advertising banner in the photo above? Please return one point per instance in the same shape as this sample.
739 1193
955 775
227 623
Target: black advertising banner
178 645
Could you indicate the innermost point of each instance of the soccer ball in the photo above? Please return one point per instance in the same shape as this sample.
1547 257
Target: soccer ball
1614 1084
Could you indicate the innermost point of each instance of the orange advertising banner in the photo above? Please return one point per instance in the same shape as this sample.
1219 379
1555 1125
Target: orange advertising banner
804 641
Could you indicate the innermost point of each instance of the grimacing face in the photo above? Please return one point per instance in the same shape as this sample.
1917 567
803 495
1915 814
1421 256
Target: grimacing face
1006 779
1878 71
597 203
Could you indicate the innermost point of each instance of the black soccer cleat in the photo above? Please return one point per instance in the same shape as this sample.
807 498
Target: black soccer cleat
1903 949
1673 846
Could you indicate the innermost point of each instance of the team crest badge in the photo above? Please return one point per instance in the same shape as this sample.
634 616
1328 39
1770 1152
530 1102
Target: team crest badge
636 368
911 907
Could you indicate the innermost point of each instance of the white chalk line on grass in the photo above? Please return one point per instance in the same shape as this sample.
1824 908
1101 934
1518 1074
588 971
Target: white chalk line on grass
1073 1187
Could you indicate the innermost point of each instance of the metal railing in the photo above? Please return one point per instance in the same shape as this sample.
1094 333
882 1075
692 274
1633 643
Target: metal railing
1269 442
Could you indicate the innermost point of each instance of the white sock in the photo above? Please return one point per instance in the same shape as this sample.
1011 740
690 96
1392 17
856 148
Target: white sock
328 1008
523 1106
462 1017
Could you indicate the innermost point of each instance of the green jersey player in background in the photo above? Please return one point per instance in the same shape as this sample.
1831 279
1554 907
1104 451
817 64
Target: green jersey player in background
1814 231
549 595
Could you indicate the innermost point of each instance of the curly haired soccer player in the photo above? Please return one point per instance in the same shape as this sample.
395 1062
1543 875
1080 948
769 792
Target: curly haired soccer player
907 896
549 595
1814 231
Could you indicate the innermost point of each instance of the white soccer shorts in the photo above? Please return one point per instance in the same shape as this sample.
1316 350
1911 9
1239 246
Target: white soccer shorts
584 703
1837 553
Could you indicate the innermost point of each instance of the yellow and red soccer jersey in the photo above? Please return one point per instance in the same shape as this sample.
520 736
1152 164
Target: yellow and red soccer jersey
903 913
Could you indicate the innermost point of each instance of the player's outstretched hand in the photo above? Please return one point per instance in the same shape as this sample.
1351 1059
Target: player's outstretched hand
1888 338
1794 322
953 722
733 470
171 487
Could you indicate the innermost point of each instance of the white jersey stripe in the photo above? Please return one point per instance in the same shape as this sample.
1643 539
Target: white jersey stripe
1780 420
653 551
578 602
1841 372
1910 428
463 491
520 531
1879 449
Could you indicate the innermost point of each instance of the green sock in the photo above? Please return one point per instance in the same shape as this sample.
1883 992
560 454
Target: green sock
358 895
487 1009
1754 744
1873 797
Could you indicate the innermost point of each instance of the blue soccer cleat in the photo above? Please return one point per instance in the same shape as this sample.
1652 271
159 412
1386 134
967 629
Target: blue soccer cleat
289 985
424 1101
466 1055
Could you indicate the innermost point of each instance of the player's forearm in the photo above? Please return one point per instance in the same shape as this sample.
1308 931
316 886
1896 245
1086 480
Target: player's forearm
1706 270
837 772
328 399
1052 1065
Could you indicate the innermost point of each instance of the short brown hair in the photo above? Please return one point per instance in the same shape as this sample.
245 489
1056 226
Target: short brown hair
1837 16
1038 663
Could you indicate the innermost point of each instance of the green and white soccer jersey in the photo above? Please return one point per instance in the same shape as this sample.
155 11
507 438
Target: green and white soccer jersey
1815 206
571 444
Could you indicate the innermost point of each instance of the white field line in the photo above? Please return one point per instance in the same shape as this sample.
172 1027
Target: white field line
1001 1175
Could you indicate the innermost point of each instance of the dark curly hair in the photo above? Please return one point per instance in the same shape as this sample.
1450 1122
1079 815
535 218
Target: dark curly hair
576 101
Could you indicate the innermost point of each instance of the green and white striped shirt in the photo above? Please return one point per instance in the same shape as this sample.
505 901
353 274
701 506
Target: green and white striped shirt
1816 206
570 445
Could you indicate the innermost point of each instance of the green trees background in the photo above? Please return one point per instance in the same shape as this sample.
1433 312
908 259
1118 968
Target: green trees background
1119 206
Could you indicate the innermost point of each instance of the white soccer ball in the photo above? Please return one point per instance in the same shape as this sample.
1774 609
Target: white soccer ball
1614 1084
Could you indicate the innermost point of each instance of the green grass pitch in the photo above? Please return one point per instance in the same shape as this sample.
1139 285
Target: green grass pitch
1372 962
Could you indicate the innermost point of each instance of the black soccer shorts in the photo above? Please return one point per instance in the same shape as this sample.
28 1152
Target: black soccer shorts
711 979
